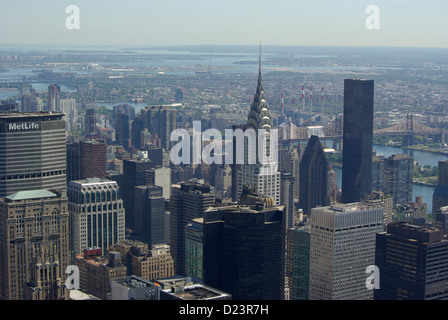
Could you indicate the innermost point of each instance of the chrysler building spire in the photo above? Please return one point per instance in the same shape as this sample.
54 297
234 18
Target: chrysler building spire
259 114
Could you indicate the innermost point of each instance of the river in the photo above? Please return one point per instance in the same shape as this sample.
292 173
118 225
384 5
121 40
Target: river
423 157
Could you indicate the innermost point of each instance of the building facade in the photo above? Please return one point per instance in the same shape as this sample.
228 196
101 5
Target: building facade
413 263
34 245
357 139
96 213
314 177
398 177
189 200
32 152
260 168
244 251
342 246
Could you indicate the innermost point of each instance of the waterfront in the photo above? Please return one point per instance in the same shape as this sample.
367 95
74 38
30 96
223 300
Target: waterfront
423 157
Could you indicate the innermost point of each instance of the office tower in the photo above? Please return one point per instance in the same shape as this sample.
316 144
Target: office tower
68 106
73 161
342 246
244 251
377 173
32 152
314 177
156 155
54 98
31 103
287 197
90 122
8 105
260 167
298 262
440 196
160 121
398 177
194 249
96 271
149 213
122 130
92 156
188 201
357 139
179 96
160 176
413 263
151 264
441 220
34 245
134 174
96 214
137 140
289 161
124 109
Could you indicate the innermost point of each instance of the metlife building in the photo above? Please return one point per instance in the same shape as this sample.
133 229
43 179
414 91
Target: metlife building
32 152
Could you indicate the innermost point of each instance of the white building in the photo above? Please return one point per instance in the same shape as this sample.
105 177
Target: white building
342 246
260 167
97 215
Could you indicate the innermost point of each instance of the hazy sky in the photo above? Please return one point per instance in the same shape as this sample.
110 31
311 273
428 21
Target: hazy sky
415 23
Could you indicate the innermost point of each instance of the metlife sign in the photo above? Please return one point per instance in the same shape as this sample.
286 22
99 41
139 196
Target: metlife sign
23 126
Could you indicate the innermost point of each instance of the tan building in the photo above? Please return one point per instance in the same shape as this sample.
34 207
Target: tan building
34 246
97 271
145 263
153 264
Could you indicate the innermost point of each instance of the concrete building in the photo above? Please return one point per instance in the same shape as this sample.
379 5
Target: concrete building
32 152
413 263
189 200
34 245
96 213
97 271
342 246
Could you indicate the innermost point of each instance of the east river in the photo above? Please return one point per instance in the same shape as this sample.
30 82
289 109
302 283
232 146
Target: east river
423 157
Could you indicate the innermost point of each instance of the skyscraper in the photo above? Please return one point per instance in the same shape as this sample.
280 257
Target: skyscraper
32 152
314 177
54 97
398 177
92 157
34 245
243 251
342 246
96 214
123 130
149 213
90 122
440 196
260 168
188 201
413 263
134 174
357 139
161 121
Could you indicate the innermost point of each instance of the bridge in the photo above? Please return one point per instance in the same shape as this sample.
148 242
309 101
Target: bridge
408 128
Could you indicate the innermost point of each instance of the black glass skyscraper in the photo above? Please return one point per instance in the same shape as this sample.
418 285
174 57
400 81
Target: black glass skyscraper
357 139
314 177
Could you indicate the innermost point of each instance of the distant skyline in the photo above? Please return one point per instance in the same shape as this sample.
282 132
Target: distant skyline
408 23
